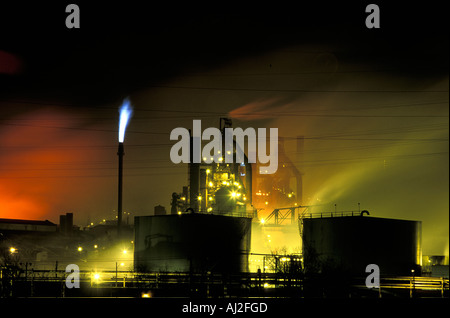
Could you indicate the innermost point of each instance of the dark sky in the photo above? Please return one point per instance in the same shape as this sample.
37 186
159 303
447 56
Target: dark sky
371 103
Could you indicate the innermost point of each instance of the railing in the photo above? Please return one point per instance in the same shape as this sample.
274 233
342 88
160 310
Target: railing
244 214
331 214
131 282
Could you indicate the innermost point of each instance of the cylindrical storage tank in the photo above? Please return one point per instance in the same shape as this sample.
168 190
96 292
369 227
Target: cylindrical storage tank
192 243
353 242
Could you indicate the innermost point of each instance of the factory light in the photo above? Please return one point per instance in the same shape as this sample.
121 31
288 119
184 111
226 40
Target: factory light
220 159
145 295
208 171
183 198
199 198
233 194
209 209
290 195
95 277
95 246
179 212
124 251
211 184
210 198
262 221
80 249
12 250
266 202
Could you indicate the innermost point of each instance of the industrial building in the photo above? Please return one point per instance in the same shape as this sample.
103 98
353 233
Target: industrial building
198 243
209 229
348 243
27 225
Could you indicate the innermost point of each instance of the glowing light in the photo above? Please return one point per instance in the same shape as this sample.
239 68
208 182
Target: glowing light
266 202
290 195
96 276
233 194
146 295
211 184
124 251
80 249
95 246
262 221
125 114
199 198
266 285
209 209
208 171
183 198
179 212
12 250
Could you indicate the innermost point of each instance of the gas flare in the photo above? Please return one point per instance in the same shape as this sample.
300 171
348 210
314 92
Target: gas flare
125 114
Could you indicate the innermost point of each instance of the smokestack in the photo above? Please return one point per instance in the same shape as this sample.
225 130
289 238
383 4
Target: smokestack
299 164
125 115
120 153
194 180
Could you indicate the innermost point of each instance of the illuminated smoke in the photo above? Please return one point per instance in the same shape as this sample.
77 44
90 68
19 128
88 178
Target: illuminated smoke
125 114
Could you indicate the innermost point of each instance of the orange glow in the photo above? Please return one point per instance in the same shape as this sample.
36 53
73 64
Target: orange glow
39 174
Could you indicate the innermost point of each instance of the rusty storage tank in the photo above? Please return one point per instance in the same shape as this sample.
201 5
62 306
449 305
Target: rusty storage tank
192 243
350 243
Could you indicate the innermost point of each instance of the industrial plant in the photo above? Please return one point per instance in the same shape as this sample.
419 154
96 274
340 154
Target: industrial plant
231 231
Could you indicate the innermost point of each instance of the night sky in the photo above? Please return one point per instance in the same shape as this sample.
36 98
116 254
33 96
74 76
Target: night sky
372 104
